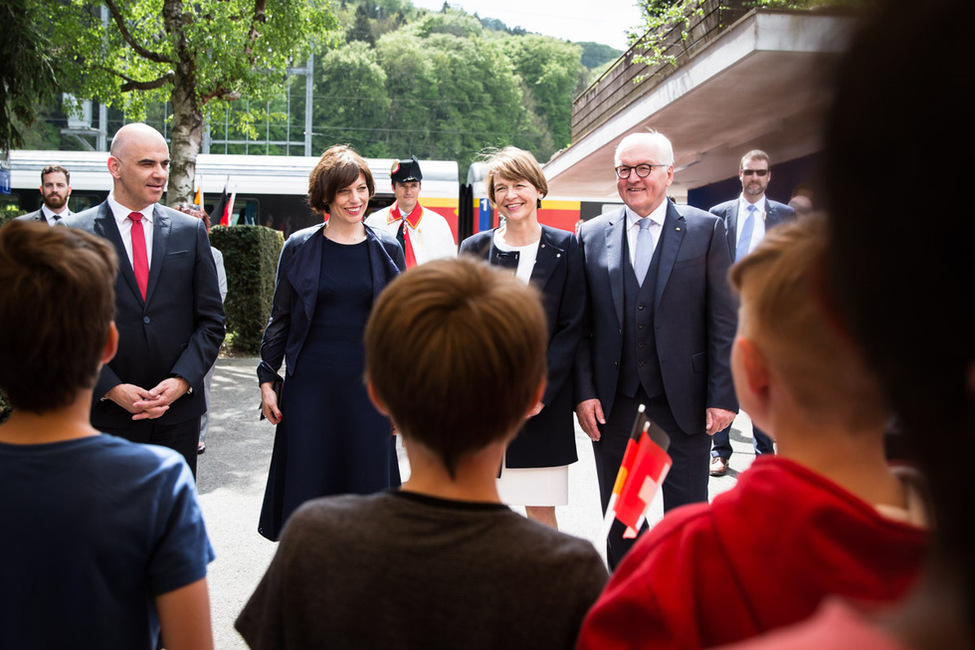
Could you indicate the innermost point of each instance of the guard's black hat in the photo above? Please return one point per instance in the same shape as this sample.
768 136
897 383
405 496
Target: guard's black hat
406 170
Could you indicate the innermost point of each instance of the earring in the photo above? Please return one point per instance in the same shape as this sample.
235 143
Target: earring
539 202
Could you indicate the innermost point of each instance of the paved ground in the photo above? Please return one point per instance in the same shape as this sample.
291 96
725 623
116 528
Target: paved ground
233 471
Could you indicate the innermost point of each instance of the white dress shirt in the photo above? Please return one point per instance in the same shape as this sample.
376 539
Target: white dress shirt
633 229
49 214
121 214
758 232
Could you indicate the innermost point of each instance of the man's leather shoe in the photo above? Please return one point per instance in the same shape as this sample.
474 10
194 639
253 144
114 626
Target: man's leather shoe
719 466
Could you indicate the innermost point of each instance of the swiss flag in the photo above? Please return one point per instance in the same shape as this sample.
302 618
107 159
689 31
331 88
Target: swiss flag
643 470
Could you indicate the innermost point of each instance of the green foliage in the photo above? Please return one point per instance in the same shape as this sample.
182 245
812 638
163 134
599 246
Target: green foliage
451 96
28 74
597 55
197 56
552 73
10 211
250 256
352 99
230 48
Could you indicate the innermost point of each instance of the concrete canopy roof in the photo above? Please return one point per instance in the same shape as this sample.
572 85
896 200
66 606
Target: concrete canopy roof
761 83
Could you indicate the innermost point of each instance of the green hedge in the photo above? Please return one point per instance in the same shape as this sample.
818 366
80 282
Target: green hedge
250 256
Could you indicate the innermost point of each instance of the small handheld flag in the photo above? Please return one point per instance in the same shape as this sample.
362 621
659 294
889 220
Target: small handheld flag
643 470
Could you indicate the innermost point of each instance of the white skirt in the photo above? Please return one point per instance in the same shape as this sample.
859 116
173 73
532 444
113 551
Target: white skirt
534 486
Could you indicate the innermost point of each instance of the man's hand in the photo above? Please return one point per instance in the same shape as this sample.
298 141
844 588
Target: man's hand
590 412
717 419
127 395
159 398
269 403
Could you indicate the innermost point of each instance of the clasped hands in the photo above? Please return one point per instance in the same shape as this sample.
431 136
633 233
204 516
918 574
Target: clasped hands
148 404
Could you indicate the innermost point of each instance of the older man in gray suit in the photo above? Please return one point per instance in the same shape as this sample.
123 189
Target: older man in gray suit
661 323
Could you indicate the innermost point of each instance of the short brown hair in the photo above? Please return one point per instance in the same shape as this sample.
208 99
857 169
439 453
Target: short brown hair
754 154
197 212
338 167
785 313
516 165
472 376
51 169
57 302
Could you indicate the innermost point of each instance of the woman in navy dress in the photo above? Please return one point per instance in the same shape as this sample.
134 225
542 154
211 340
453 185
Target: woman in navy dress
330 439
535 470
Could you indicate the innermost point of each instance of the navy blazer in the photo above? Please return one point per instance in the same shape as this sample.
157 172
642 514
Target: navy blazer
548 439
694 314
296 292
775 213
177 330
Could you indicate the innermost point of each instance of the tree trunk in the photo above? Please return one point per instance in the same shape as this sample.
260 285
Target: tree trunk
187 139
187 134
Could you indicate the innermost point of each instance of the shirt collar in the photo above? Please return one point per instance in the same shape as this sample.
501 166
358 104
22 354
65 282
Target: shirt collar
657 216
48 212
743 204
412 218
121 213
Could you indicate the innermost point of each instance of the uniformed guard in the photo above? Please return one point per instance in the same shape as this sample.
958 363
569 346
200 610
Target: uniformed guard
424 234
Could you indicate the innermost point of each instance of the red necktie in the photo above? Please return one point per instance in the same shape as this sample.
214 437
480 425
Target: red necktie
140 260
408 245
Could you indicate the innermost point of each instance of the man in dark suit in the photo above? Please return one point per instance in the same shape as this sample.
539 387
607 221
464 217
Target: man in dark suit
55 190
661 323
169 314
746 219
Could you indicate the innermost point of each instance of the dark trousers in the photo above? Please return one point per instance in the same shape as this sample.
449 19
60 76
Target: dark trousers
721 443
180 436
687 481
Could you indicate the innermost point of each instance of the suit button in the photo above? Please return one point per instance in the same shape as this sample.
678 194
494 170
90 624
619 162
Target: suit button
146 320
616 363
641 306
641 345
641 325
643 363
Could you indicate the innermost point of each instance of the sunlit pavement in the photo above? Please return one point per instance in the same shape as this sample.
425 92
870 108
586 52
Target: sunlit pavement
233 471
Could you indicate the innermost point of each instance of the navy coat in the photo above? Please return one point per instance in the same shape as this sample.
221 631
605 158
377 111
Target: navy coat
548 439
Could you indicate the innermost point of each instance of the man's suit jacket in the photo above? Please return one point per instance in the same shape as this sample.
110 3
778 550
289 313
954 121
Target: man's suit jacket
38 215
177 330
694 314
775 213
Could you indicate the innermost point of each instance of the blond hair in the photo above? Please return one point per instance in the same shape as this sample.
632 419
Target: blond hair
516 165
785 313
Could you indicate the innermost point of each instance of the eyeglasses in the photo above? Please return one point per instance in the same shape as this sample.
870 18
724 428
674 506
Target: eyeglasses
761 173
642 170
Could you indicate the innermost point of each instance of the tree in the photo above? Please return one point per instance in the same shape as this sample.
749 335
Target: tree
194 55
27 71
352 106
452 95
552 73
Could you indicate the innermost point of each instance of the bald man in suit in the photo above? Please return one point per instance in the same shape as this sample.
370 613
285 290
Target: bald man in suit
169 313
